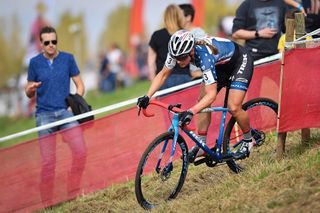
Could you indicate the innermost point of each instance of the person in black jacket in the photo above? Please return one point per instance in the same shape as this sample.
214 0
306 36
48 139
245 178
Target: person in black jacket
259 23
158 48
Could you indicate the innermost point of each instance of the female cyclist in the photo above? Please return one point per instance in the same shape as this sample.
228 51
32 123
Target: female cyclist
222 63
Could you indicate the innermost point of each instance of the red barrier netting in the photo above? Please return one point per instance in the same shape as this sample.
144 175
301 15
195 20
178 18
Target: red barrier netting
300 101
98 153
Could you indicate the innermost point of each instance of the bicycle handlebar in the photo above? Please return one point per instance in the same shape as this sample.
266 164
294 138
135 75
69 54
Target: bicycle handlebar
173 108
163 105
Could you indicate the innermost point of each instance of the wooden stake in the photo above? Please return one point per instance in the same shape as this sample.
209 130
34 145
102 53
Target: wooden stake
281 137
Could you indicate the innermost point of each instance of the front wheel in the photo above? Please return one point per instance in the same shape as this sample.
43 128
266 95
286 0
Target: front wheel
263 117
160 178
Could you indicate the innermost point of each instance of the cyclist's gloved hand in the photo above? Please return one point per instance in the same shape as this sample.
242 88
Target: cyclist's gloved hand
143 102
185 117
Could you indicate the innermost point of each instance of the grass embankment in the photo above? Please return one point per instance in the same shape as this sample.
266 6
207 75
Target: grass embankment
267 185
96 99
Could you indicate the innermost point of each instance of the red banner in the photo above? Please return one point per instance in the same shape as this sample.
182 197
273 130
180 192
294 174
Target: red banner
300 101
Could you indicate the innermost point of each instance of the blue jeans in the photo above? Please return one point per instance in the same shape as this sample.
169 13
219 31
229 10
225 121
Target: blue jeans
73 137
50 117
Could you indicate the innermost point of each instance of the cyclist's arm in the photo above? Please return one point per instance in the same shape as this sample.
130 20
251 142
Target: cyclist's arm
209 77
210 93
161 77
159 80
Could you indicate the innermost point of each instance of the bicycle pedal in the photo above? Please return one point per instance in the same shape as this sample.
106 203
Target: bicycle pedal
227 157
200 160
241 157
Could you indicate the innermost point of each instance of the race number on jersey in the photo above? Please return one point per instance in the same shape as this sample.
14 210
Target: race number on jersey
208 78
170 62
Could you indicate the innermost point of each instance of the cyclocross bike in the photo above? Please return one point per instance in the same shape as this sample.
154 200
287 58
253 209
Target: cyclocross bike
163 166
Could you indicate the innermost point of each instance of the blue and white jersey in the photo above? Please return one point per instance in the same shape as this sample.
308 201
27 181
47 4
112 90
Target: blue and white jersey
206 60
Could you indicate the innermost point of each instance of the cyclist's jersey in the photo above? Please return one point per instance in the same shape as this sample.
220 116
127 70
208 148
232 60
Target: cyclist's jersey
222 67
205 60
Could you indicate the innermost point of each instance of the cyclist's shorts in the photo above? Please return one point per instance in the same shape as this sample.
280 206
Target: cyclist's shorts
237 73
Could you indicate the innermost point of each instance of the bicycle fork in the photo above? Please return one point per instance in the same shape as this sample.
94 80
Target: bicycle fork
168 168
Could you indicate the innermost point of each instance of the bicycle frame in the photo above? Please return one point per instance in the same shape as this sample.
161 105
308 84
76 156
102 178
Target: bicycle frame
215 155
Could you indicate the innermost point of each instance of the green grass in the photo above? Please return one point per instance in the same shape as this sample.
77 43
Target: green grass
95 98
267 185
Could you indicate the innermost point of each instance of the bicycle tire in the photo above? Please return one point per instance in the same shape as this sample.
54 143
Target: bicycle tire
153 187
258 108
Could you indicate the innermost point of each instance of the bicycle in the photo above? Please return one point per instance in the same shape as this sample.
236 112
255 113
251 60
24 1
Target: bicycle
161 174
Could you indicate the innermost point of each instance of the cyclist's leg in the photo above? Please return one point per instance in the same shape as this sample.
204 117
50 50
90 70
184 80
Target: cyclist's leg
242 71
235 101
203 122
204 119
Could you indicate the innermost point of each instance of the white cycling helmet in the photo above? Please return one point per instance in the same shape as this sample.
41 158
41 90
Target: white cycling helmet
181 43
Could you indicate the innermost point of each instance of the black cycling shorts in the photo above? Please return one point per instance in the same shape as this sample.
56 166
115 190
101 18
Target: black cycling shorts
237 73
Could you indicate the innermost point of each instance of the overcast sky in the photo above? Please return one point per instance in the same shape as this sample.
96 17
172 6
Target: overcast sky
95 12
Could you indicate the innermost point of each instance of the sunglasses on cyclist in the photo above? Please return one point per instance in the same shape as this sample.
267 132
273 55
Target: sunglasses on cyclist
46 43
181 57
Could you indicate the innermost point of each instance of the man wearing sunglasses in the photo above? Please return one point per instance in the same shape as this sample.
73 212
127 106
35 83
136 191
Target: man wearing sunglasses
49 80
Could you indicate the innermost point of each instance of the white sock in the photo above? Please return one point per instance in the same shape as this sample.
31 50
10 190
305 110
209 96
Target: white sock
247 136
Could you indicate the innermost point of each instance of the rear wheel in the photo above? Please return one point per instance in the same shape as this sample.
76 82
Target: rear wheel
159 178
263 116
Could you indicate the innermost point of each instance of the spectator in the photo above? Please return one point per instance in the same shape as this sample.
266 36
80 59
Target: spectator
38 24
49 76
106 80
158 48
141 59
189 13
259 23
118 76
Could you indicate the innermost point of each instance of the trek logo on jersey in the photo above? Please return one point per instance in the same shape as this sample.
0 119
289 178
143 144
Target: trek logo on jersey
244 64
